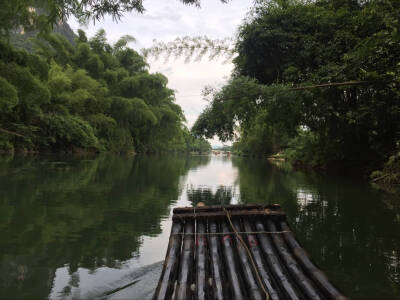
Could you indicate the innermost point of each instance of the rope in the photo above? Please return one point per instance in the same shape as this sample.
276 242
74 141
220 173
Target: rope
239 232
195 230
260 282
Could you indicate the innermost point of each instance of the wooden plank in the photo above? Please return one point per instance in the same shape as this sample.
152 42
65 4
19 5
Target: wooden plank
183 287
302 281
222 214
202 272
210 208
316 275
217 269
246 267
235 281
282 277
166 284
269 283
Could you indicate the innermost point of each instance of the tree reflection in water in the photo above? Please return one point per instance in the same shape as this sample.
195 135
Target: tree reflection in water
222 196
79 216
351 230
80 212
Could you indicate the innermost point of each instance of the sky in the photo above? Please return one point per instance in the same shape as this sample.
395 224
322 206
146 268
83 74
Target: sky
165 20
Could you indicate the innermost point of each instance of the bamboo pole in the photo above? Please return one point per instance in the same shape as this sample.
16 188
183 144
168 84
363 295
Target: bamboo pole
251 283
222 214
166 284
256 252
291 264
183 287
217 270
231 207
328 85
273 261
316 275
235 283
202 274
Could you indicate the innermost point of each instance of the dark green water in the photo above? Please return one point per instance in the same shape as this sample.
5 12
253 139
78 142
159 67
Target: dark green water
71 226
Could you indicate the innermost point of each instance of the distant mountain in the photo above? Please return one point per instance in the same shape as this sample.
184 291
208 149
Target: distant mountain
21 39
65 30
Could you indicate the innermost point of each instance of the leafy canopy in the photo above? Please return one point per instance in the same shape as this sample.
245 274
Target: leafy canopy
91 96
285 44
43 14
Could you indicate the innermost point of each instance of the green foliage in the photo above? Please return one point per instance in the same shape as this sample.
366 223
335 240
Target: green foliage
90 96
305 147
131 60
47 13
259 137
123 42
195 144
232 105
58 81
8 96
5 145
32 92
64 132
389 176
247 109
286 44
191 48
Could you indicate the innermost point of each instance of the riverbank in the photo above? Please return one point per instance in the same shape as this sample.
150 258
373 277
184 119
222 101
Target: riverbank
387 179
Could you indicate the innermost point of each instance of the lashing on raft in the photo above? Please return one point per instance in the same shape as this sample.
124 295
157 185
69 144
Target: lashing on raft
238 252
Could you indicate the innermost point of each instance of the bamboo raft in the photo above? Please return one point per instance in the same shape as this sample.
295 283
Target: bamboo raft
238 252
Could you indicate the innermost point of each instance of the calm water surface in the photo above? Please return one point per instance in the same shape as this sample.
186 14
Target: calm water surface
73 225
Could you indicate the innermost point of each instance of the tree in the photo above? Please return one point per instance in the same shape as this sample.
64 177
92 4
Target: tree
90 96
9 96
43 14
284 45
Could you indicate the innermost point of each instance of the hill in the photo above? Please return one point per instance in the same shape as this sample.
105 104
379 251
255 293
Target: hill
22 39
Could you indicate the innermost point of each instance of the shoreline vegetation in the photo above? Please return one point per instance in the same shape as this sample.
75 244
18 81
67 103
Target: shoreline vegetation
388 179
87 96
318 81
325 96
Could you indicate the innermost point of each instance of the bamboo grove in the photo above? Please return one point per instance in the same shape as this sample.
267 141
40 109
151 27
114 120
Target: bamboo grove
87 96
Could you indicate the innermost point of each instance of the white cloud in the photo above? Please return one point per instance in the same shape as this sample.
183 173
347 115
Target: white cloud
165 20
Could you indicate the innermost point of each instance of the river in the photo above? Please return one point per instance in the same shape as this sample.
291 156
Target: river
71 225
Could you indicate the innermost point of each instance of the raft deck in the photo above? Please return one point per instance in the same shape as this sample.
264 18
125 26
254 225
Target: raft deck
238 252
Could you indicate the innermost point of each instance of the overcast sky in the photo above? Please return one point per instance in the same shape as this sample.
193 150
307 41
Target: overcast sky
165 20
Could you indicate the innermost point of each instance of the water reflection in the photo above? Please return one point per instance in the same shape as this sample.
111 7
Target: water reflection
82 213
222 196
70 226
349 229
